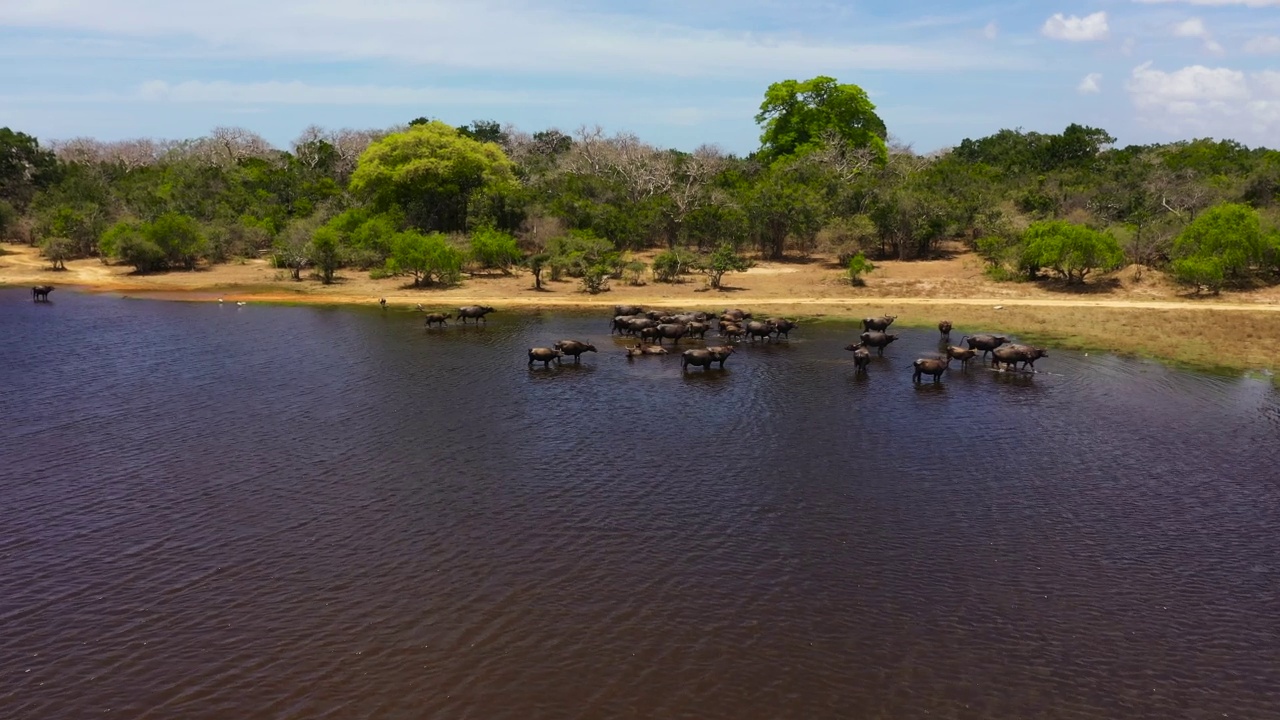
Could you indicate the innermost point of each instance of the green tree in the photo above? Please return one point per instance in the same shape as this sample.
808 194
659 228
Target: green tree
118 237
1199 272
1073 251
494 249
785 203
536 264
325 252
798 117
58 250
858 266
428 258
1230 233
723 261
179 237
24 167
431 172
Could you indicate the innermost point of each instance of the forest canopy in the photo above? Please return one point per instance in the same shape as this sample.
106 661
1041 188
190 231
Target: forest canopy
430 201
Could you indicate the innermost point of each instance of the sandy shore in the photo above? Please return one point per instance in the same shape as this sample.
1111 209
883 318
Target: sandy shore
1128 313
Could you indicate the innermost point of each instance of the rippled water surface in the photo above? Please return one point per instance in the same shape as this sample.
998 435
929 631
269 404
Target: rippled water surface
270 512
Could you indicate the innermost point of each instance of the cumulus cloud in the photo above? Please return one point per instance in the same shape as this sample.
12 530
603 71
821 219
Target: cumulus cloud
1263 45
1076 29
1220 101
1091 84
1195 28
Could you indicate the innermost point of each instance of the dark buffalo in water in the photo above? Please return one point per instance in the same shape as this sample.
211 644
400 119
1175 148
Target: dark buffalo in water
475 312
929 366
735 315
877 340
756 329
880 324
40 293
649 332
544 356
638 350
944 327
637 324
861 356
574 348
1011 355
782 326
698 329
627 310
704 358
437 319
961 354
731 330
673 331
985 343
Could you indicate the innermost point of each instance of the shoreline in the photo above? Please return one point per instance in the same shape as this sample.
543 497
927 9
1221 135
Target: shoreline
1212 334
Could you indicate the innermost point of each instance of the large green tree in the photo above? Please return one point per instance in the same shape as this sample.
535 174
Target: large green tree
1226 242
1073 251
433 173
24 167
800 117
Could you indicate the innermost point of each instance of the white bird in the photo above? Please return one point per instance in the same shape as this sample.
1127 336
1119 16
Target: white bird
240 303
419 307
219 299
998 307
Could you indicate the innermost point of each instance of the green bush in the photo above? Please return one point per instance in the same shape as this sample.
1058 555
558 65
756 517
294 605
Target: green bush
634 272
1200 272
857 267
58 250
596 279
1073 251
430 259
669 265
494 249
578 251
721 262
1229 234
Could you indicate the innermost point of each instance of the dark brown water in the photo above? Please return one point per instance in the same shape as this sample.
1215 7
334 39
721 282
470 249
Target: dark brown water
266 512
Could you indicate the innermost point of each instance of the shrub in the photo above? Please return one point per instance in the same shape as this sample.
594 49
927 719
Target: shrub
1072 251
596 279
721 262
669 265
634 272
857 266
58 250
1230 233
494 249
580 250
1200 272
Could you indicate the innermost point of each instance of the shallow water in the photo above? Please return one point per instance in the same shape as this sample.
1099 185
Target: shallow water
216 511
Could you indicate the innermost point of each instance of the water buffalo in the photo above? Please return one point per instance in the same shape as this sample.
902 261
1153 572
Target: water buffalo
735 315
638 350
731 330
704 358
574 348
619 324
545 356
881 323
698 329
877 340
985 343
720 353
782 326
861 356
40 293
637 324
929 366
961 354
383 303
476 312
944 327
627 310
756 329
674 331
1011 355
440 318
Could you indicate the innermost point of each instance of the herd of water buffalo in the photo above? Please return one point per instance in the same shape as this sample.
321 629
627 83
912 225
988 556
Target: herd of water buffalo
651 328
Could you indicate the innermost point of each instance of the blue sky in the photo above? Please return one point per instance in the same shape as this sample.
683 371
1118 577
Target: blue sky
678 73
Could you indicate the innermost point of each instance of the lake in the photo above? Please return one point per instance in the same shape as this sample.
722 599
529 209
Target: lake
215 511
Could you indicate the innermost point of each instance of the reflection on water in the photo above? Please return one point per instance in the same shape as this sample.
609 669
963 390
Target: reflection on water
222 511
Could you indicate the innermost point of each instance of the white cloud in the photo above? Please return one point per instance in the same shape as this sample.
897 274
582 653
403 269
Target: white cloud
1091 84
1195 28
1263 45
1191 27
482 35
991 30
1219 101
1217 3
1126 47
1076 29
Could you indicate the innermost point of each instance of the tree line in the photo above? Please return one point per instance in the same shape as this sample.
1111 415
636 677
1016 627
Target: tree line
429 202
